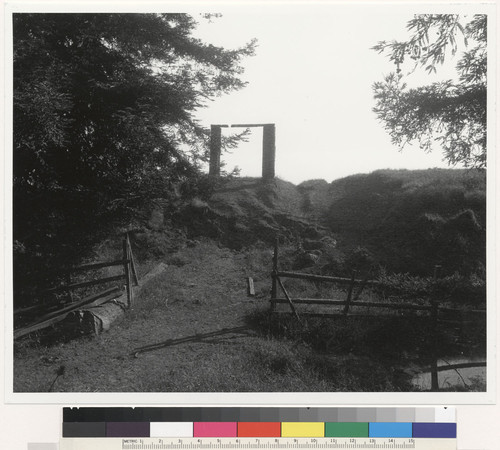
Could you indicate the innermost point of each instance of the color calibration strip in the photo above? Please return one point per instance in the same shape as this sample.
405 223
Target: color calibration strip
342 422
260 429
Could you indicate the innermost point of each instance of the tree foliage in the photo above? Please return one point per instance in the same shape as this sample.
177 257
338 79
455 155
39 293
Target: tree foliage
451 113
104 118
104 101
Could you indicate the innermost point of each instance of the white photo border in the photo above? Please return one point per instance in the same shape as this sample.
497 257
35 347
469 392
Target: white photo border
253 398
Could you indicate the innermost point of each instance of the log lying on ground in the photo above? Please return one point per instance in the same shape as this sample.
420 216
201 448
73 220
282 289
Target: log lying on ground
97 317
61 314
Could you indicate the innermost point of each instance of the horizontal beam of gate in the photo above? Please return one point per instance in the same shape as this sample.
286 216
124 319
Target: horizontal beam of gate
250 125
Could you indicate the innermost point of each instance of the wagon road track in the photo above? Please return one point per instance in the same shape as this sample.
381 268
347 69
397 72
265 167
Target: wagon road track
186 324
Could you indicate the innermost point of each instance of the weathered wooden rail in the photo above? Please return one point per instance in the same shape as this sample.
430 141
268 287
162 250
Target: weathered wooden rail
129 275
433 309
350 301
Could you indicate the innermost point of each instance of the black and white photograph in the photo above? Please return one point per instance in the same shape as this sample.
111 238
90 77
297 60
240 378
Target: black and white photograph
253 200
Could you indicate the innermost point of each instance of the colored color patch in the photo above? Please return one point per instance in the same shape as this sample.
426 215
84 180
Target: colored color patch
215 429
302 429
390 429
259 429
127 429
171 429
346 429
435 430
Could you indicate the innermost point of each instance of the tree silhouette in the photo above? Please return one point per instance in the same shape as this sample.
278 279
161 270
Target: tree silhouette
104 119
450 113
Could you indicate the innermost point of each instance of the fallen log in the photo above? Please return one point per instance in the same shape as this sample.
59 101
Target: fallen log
74 306
61 314
97 318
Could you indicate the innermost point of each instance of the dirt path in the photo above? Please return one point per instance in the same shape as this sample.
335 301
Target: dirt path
195 317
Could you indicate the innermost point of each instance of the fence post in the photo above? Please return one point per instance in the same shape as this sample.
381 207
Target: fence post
437 269
349 294
288 299
274 290
434 325
126 268
68 282
132 261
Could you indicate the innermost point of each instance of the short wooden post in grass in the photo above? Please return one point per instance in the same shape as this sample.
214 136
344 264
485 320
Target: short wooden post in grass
274 274
126 268
349 294
251 287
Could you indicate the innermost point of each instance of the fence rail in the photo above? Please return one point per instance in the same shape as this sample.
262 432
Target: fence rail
322 301
352 301
339 280
129 275
70 287
85 267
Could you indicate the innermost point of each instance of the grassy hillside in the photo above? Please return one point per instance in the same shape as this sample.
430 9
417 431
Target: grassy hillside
413 220
404 221
242 212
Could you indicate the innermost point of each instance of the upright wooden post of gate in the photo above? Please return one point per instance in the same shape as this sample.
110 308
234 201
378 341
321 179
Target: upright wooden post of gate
274 274
215 149
126 268
268 151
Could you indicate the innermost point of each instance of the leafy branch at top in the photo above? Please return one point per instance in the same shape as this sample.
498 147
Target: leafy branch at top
449 114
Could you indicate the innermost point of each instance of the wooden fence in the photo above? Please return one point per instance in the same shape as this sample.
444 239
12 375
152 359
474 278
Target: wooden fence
129 275
354 289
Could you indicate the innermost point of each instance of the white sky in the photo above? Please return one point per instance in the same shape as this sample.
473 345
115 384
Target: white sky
312 76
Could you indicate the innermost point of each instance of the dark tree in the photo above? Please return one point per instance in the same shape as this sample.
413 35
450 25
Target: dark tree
104 117
104 101
451 113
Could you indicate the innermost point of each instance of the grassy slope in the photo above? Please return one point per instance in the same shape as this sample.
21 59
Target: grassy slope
245 211
412 220
204 290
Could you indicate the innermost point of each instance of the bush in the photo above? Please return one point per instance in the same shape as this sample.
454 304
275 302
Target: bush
456 288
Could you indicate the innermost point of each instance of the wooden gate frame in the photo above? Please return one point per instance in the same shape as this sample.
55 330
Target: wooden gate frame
268 147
